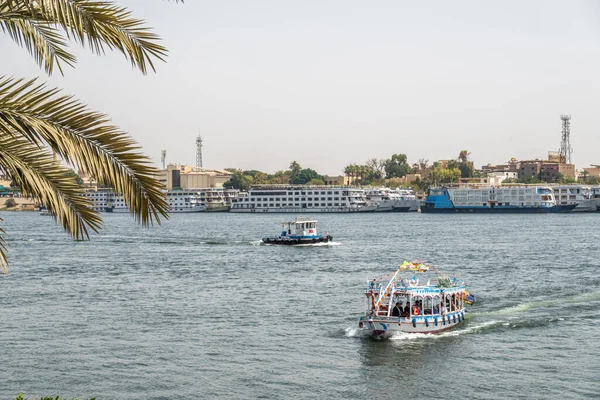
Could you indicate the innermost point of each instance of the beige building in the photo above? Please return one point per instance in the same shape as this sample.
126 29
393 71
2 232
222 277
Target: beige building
594 170
187 177
339 180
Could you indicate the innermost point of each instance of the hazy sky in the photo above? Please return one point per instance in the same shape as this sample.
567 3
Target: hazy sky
328 83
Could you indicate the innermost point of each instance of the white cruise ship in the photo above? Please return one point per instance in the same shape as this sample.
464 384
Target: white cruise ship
300 198
392 200
581 195
180 201
217 199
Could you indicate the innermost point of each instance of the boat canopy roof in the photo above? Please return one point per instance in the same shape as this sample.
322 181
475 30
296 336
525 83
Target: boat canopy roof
299 220
417 278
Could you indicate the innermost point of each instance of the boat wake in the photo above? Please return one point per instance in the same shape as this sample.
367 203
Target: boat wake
400 336
578 298
324 244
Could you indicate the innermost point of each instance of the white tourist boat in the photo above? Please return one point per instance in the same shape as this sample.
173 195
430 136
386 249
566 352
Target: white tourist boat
302 231
180 201
406 200
381 198
581 195
417 298
302 199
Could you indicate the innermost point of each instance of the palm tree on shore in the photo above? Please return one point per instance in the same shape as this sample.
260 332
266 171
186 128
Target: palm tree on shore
36 120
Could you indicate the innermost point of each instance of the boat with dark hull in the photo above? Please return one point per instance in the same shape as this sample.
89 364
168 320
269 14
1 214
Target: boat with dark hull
302 231
520 199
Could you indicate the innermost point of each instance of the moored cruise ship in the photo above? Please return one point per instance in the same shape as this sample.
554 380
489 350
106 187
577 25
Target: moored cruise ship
581 195
518 199
180 201
300 198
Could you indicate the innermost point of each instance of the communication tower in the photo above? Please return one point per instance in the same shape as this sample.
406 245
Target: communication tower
565 143
199 151
163 157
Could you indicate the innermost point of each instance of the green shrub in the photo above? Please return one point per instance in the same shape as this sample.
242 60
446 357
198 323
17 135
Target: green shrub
10 203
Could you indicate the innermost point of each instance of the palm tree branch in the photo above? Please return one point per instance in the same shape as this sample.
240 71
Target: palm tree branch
44 42
39 176
98 24
84 138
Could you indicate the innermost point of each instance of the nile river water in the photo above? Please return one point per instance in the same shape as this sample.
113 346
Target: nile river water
196 308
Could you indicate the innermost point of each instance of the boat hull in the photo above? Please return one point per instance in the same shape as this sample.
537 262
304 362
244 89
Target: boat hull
430 208
297 210
290 241
591 205
382 327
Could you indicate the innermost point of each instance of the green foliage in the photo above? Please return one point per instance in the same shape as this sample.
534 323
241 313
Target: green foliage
279 177
444 175
238 180
590 180
295 170
10 203
467 170
258 177
367 174
531 180
305 176
316 182
397 166
394 183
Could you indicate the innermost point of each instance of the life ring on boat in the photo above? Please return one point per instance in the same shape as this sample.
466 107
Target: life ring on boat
414 321
426 322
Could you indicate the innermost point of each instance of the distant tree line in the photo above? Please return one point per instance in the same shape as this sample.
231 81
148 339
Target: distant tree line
374 172
295 175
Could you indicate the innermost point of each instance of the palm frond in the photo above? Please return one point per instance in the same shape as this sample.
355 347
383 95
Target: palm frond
85 139
44 42
38 176
97 24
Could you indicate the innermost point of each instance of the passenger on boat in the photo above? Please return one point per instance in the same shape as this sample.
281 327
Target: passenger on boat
416 310
406 310
436 309
397 310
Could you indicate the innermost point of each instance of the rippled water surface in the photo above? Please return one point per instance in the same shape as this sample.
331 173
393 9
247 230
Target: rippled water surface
196 308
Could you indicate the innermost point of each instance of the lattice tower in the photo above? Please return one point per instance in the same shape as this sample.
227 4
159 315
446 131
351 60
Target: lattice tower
565 143
199 151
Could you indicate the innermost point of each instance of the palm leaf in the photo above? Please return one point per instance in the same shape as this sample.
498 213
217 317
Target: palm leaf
44 42
97 24
85 139
40 177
